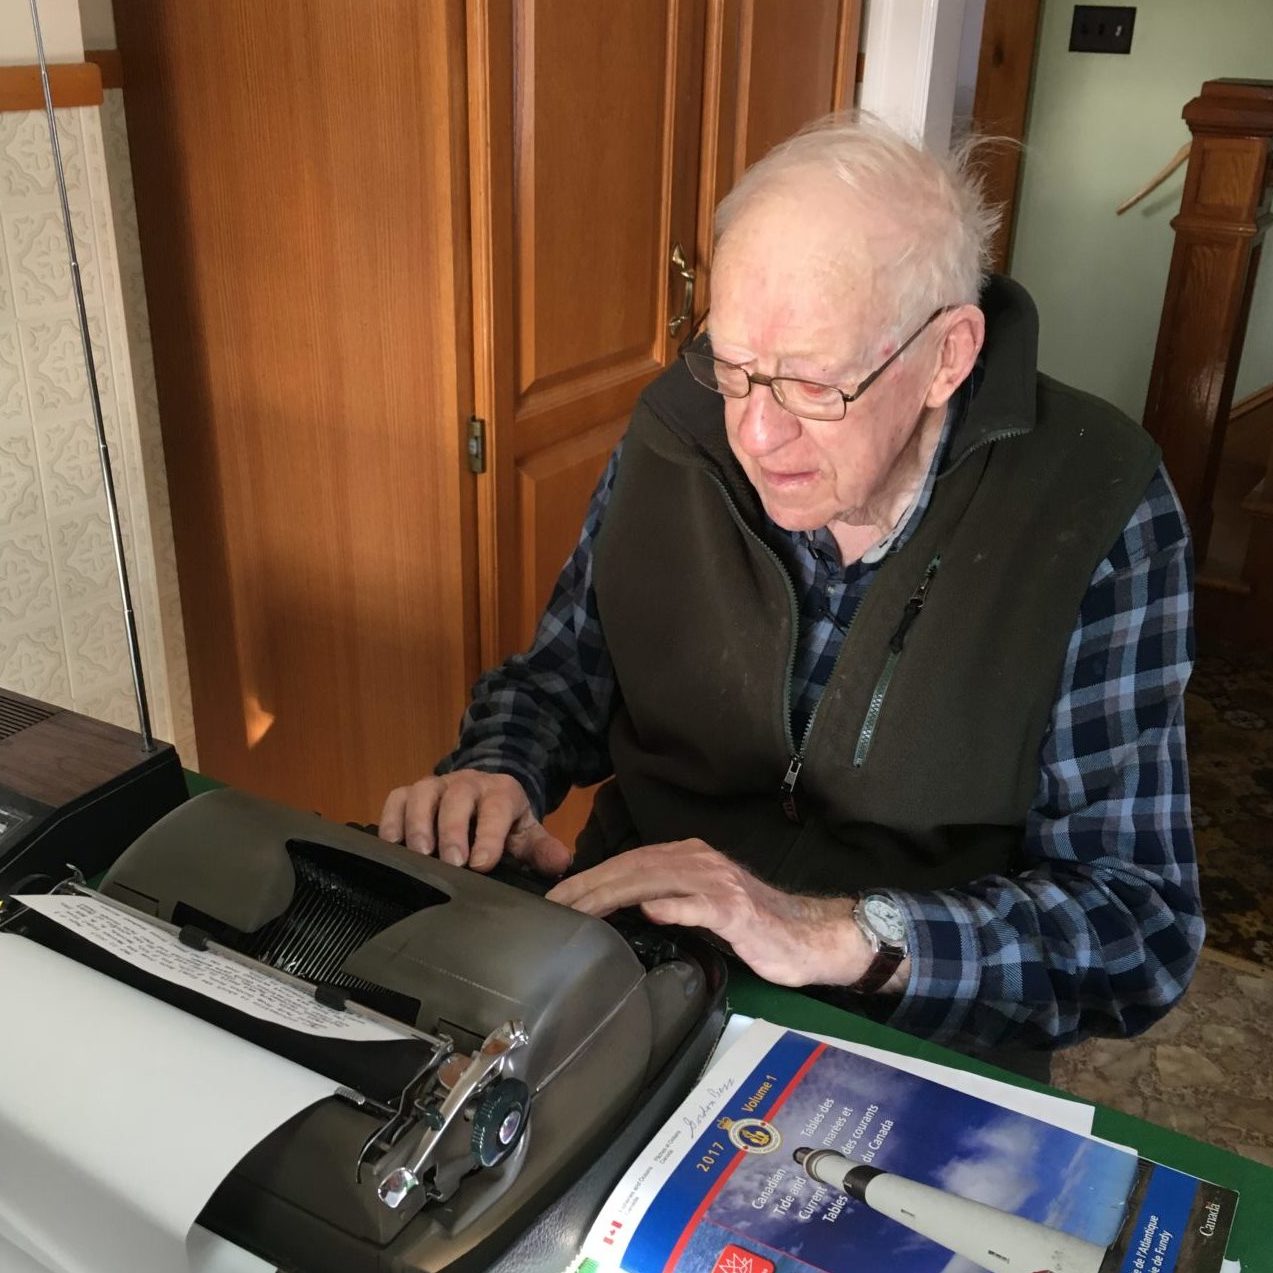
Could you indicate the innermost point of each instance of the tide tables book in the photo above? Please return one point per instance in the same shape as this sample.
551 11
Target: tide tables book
793 1154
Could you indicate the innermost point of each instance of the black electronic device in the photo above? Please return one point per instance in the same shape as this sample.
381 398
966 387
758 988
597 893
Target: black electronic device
75 791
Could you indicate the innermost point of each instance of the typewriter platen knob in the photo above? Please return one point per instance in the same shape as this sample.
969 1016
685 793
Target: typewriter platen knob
499 1120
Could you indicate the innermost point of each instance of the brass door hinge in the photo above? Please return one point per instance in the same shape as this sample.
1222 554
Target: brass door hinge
475 444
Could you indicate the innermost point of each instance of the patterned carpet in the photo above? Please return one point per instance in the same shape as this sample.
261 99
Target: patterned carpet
1202 1070
1229 713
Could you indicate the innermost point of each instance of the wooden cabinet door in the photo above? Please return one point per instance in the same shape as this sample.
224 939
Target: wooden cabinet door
584 133
584 127
772 66
602 136
302 201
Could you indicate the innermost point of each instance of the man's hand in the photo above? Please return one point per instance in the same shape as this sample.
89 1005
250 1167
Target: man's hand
471 817
786 939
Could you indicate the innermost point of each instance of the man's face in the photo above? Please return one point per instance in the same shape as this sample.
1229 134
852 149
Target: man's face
800 289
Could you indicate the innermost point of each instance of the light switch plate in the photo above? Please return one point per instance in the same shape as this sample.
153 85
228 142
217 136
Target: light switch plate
1102 28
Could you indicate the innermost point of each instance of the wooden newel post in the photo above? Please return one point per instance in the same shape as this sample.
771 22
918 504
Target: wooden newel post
1223 215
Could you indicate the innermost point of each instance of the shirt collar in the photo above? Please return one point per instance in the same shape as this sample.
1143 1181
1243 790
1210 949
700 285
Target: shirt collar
914 513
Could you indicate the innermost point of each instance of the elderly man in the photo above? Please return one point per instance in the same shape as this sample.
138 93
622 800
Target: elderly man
879 635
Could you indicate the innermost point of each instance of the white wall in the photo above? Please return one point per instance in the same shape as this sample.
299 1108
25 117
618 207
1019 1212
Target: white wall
911 51
97 20
969 60
59 23
61 619
1100 126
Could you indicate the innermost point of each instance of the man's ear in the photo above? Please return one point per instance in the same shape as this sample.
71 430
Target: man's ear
964 332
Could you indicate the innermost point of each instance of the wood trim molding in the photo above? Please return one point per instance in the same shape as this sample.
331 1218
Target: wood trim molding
1260 400
1232 107
848 55
1249 436
1005 71
1224 212
71 83
912 56
110 64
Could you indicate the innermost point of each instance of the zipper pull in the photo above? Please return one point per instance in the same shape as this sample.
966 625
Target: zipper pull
913 607
788 789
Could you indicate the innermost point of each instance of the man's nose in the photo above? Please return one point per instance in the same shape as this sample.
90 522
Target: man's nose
764 424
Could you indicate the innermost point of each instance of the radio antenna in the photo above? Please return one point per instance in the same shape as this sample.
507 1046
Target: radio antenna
103 451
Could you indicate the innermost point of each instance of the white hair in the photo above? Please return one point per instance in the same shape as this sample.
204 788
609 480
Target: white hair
935 203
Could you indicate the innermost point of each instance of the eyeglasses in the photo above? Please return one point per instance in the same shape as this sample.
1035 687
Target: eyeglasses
807 399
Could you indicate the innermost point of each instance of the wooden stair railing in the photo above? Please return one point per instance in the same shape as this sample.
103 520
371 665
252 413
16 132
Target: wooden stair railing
1257 569
1224 213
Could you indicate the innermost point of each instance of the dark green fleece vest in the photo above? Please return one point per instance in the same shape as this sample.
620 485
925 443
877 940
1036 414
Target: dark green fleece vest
922 759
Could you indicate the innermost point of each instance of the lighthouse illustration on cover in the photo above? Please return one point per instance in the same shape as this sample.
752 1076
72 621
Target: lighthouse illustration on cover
989 1237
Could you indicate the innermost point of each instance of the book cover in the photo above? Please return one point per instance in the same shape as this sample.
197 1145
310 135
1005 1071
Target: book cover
796 1155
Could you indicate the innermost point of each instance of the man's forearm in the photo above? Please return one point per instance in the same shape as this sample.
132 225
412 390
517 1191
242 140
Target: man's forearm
542 716
839 950
1049 957
530 720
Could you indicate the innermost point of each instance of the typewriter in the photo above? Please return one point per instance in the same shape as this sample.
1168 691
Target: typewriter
540 1047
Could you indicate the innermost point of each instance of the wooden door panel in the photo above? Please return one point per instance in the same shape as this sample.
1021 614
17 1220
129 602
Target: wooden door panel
568 819
580 210
305 273
553 488
771 68
589 155
1005 70
788 73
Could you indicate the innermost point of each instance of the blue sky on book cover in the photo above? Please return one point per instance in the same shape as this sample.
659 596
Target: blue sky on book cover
894 1121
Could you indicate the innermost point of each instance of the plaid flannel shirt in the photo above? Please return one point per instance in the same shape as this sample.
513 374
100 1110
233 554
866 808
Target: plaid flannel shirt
1100 932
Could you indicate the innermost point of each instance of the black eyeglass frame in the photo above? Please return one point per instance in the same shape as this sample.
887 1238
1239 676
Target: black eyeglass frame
757 378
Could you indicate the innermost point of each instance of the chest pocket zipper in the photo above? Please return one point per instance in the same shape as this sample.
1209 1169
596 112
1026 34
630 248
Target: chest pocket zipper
896 644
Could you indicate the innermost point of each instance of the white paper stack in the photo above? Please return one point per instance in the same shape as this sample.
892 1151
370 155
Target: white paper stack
119 1117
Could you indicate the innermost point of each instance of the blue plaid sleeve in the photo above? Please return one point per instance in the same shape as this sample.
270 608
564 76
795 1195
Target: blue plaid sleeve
1100 932
543 716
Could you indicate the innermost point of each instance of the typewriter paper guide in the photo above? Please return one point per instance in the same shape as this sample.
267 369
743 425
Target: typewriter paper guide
96 1174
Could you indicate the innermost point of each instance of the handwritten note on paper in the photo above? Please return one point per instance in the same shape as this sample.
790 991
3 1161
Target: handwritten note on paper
159 952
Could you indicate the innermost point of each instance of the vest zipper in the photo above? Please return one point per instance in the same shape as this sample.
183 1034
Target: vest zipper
787 788
1001 436
895 646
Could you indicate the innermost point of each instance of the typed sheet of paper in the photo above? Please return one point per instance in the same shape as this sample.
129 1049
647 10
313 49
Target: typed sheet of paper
157 951
120 1115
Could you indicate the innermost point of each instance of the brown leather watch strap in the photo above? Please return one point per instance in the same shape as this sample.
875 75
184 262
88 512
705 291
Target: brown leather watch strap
878 971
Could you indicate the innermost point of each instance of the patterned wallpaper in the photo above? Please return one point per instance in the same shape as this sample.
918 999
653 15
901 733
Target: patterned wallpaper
61 617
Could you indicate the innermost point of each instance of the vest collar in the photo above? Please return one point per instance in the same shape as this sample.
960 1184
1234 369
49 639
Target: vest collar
1004 400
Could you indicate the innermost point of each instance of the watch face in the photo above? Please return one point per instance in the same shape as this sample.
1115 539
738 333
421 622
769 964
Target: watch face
885 918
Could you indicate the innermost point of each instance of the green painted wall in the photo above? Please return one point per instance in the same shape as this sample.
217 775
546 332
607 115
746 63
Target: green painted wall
1100 126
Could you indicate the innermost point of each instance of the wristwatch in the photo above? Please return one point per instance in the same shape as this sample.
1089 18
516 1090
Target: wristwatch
884 927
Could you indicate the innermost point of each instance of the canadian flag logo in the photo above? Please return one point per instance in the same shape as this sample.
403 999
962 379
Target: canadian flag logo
615 1226
737 1259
